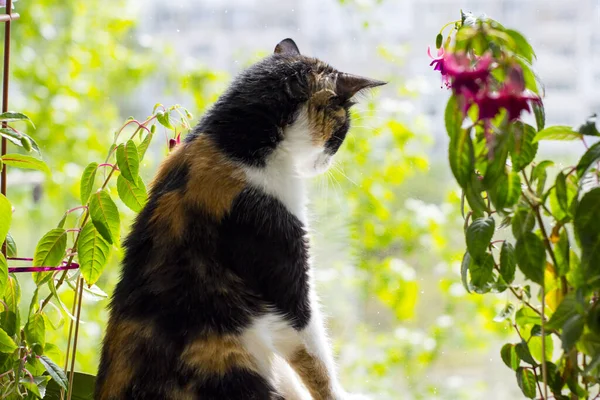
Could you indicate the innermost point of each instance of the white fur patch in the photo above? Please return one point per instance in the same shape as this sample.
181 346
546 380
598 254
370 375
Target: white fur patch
294 159
269 340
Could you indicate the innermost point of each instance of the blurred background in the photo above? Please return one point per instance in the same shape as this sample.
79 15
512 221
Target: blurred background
386 220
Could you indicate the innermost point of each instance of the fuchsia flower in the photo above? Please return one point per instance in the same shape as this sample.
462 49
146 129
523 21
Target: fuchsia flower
471 80
438 65
174 142
467 79
512 96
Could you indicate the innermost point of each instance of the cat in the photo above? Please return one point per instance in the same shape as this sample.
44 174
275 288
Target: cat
216 299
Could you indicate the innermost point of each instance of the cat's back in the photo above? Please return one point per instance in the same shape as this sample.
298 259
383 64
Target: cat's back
190 284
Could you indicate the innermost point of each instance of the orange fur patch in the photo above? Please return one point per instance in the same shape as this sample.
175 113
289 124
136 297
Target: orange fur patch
313 373
217 355
121 339
212 184
214 181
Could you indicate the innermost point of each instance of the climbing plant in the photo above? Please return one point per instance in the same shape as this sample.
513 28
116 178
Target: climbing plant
527 232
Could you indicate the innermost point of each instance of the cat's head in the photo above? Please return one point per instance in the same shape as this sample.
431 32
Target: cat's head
286 108
321 121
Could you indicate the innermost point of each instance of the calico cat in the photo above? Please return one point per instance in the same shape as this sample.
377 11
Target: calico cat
216 298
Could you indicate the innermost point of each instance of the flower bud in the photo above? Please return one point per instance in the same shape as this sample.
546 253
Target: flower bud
25 143
153 129
438 41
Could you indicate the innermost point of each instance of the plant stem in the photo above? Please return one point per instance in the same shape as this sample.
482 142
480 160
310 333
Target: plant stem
544 369
538 215
62 391
538 383
79 293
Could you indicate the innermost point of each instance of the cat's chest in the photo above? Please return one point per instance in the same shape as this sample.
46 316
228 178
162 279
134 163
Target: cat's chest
288 188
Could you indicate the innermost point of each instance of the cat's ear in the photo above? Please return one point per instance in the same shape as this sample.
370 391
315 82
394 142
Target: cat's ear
347 85
287 46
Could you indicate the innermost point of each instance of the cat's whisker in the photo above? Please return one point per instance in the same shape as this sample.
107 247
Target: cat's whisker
341 171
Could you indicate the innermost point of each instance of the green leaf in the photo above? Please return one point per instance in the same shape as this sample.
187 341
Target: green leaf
83 388
522 46
12 297
482 272
11 116
526 316
133 195
508 262
7 345
561 192
11 246
591 156
506 313
3 274
572 330
49 252
531 257
473 196
18 138
5 216
478 235
535 348
93 253
526 381
461 156
593 364
561 253
523 352
35 330
496 168
522 222
506 191
31 387
52 351
539 174
128 160
540 115
531 80
509 356
164 119
453 117
62 305
87 182
593 322
56 372
94 293
587 230
464 270
143 147
558 132
105 216
25 162
565 310
523 150
589 127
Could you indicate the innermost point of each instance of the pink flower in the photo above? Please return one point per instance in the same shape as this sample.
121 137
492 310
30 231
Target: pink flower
438 64
467 79
512 96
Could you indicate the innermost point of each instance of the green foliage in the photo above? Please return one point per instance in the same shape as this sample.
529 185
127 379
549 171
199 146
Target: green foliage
93 252
94 233
564 273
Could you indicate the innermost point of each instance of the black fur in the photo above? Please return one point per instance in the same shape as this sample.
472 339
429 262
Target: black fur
220 273
248 119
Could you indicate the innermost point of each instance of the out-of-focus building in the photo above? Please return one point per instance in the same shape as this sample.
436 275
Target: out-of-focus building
225 34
